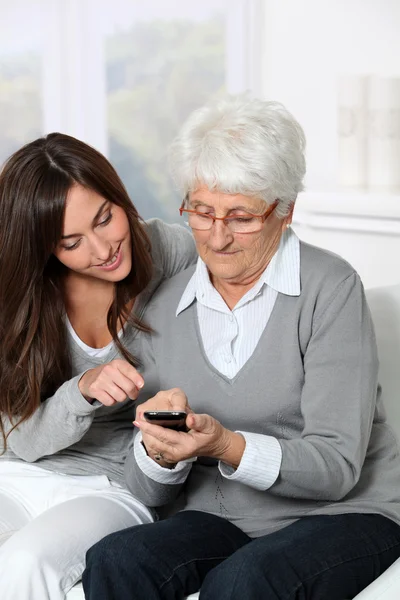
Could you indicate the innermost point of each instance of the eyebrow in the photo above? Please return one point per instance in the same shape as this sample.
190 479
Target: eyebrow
97 215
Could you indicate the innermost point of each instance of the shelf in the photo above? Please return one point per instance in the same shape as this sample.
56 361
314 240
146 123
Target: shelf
375 203
363 212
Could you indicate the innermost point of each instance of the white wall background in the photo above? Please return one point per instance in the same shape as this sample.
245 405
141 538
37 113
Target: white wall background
307 47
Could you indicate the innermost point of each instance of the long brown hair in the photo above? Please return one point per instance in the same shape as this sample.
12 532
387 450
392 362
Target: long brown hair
34 183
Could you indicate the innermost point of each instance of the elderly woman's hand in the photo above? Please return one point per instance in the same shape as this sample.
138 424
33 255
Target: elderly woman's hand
205 437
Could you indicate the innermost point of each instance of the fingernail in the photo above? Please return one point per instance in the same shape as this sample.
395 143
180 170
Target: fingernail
136 424
140 384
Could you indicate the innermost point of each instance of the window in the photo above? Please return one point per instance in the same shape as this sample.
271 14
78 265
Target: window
161 64
122 76
20 76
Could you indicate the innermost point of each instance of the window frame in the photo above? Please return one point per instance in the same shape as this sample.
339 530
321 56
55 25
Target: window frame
74 78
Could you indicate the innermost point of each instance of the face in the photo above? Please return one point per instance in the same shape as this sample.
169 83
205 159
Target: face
96 239
237 258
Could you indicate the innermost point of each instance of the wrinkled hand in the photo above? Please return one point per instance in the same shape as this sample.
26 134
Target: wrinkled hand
173 399
111 383
206 435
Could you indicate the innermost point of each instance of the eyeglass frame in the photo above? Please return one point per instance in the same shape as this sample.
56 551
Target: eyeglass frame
263 217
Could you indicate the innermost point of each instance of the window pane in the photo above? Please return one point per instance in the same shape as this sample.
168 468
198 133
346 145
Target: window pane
20 75
163 59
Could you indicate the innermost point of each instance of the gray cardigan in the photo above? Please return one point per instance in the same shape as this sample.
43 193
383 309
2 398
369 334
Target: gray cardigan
311 383
69 435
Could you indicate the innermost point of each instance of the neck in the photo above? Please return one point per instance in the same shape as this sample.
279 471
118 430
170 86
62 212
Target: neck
232 290
87 302
82 291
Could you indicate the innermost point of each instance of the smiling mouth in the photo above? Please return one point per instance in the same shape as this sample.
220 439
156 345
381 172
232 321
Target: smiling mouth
112 259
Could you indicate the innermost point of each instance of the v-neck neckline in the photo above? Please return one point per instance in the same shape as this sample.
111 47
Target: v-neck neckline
194 323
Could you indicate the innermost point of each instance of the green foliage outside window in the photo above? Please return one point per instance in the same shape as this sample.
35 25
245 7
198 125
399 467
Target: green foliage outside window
20 102
157 73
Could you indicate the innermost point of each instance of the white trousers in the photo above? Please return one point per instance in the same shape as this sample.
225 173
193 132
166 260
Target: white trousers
47 523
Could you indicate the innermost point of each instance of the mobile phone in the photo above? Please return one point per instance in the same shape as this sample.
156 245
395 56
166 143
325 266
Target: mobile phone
173 419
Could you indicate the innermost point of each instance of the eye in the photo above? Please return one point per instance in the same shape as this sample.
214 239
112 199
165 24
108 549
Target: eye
73 246
242 219
105 220
204 215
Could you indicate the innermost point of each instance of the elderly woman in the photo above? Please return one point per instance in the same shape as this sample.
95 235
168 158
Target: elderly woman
286 483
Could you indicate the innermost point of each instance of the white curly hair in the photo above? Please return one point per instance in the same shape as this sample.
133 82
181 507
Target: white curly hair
241 145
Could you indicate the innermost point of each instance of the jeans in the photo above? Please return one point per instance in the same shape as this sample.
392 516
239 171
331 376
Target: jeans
318 558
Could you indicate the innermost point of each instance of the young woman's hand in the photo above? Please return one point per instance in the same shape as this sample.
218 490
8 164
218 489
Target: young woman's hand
111 383
173 399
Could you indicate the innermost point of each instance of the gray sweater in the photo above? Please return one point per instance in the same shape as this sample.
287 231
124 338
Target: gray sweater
69 435
311 383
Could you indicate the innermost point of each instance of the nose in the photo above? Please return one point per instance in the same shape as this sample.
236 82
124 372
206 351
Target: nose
101 249
220 236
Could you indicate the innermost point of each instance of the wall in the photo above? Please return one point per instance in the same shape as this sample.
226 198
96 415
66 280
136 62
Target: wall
307 47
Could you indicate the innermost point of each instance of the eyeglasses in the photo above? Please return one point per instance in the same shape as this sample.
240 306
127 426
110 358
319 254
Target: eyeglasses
244 223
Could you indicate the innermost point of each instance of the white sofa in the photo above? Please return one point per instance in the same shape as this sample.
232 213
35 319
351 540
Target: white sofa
77 593
385 308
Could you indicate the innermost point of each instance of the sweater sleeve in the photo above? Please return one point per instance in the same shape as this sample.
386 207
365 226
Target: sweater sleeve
337 402
60 421
156 486
173 247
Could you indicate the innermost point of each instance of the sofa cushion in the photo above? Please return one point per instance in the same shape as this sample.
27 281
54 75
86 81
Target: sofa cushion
385 308
77 593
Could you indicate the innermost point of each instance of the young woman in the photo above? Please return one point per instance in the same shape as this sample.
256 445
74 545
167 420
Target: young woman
77 268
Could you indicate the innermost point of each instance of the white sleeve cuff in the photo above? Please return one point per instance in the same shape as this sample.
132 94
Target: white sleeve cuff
156 472
260 464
